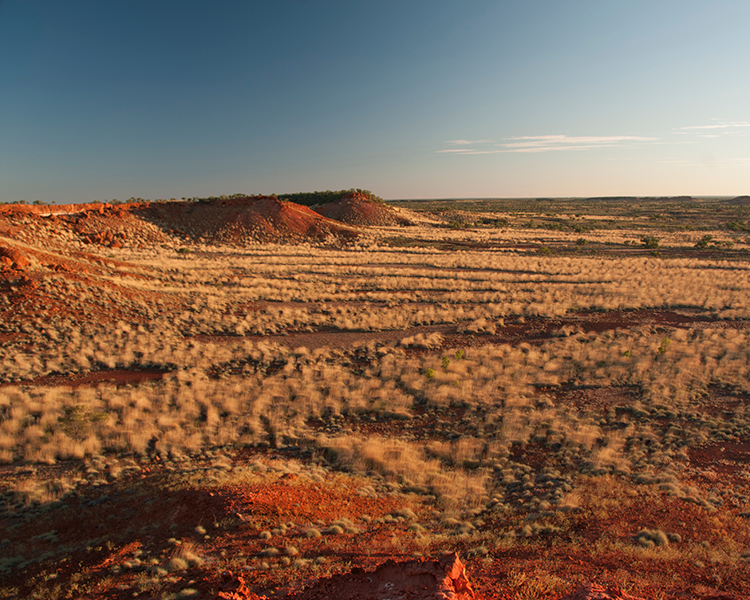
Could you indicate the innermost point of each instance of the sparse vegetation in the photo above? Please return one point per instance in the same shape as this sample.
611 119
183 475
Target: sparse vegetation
457 389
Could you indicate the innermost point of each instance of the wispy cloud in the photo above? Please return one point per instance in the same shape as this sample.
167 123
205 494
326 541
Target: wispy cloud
720 124
547 143
468 142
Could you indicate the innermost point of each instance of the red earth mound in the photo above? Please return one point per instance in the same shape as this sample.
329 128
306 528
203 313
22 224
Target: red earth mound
232 221
46 210
357 209
238 220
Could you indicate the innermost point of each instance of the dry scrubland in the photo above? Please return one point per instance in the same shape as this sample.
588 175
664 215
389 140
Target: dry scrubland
513 393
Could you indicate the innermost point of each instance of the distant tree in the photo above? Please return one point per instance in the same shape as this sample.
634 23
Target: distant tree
313 198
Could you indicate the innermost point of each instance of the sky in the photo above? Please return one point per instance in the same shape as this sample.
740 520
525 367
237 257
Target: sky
103 100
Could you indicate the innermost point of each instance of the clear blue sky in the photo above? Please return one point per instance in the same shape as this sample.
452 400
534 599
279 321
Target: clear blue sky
410 99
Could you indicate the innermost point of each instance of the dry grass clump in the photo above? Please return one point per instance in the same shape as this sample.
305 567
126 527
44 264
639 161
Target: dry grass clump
191 408
406 463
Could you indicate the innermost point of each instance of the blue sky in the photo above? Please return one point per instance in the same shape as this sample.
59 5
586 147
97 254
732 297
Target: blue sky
410 99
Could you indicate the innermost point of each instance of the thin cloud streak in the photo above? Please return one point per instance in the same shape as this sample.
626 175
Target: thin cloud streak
467 142
552 143
723 125
546 143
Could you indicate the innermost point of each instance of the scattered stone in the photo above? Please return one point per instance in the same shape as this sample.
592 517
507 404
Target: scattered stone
13 258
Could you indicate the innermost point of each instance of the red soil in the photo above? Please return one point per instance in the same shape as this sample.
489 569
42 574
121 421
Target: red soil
74 380
415 580
593 591
54 209
241 220
357 209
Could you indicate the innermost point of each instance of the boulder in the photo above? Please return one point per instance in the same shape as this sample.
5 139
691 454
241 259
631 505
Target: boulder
13 258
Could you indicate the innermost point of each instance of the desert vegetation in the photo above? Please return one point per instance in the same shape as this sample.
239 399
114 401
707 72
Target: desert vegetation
550 389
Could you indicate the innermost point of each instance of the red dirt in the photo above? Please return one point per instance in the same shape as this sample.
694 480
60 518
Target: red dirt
592 591
242 220
725 464
53 209
415 579
357 209
74 380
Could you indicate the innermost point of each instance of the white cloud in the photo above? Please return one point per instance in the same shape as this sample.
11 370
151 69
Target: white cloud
552 143
467 142
547 143
722 124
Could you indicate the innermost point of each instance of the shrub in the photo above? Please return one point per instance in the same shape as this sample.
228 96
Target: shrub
334 530
177 564
652 537
76 422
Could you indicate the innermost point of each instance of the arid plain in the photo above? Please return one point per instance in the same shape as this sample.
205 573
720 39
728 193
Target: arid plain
241 397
